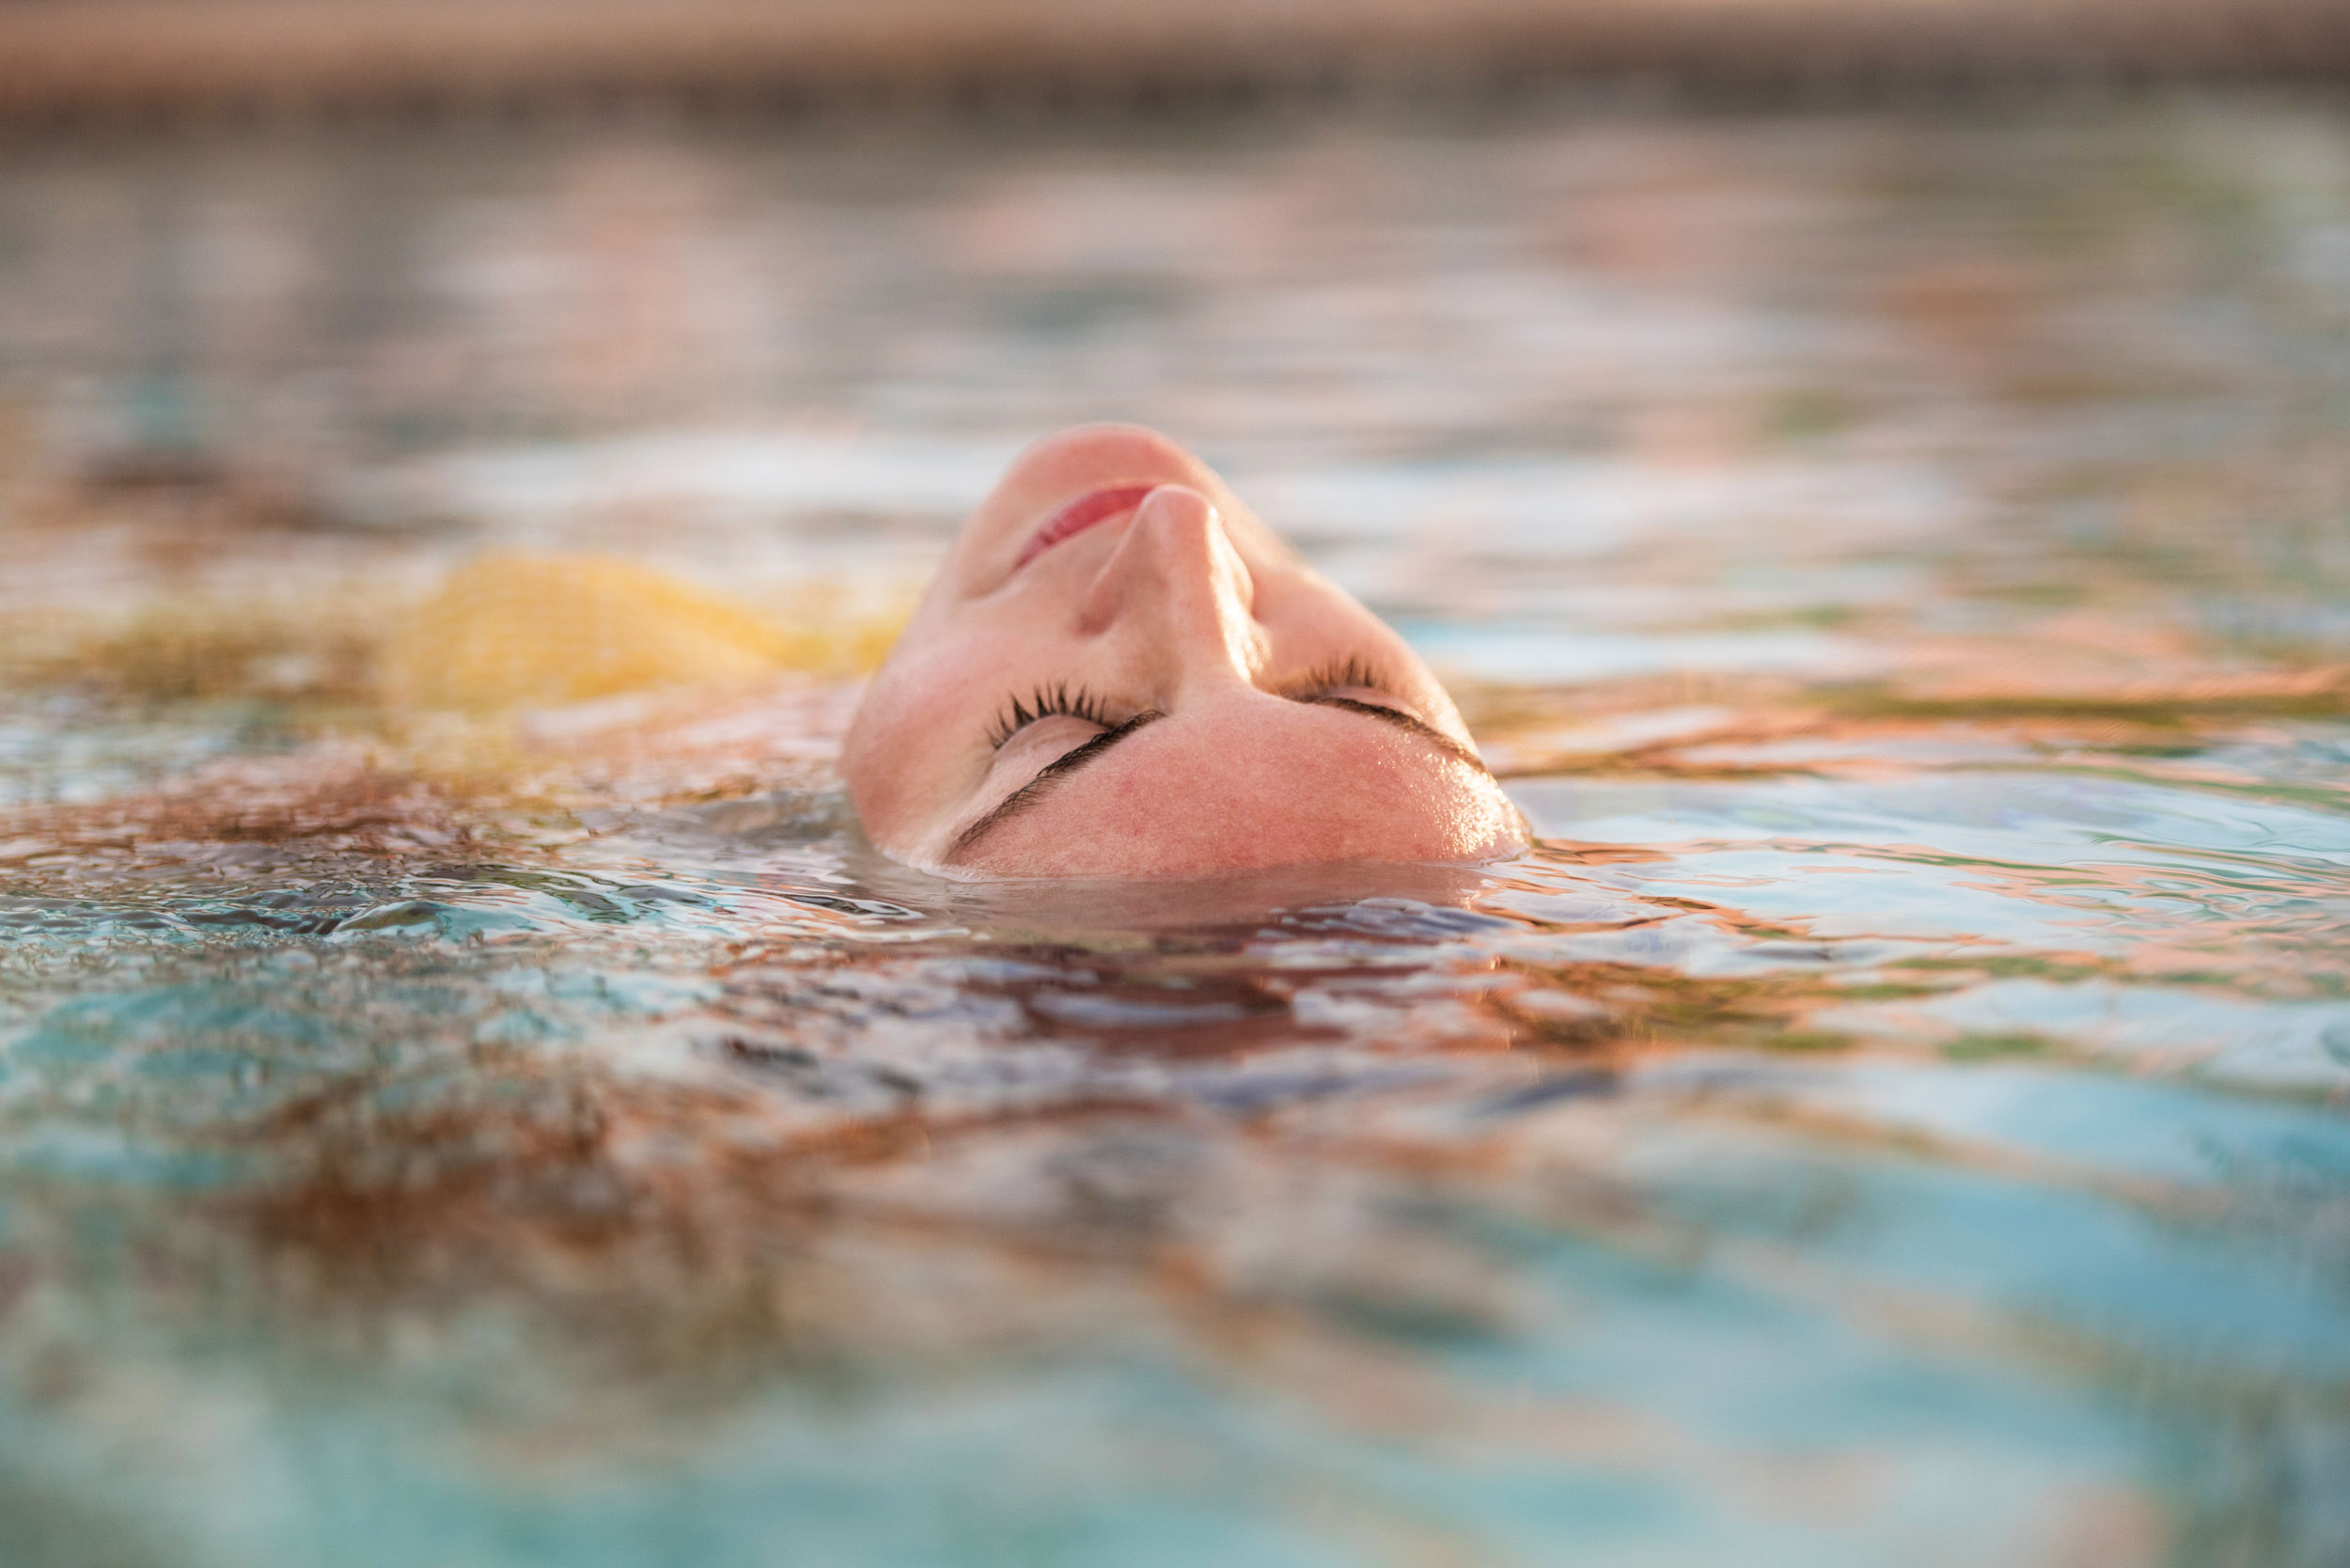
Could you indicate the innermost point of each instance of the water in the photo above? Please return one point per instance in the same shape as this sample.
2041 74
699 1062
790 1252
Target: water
1898 560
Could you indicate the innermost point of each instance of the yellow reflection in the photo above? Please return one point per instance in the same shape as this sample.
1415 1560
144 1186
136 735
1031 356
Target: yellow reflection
510 630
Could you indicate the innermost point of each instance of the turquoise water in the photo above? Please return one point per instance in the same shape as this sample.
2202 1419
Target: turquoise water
1897 559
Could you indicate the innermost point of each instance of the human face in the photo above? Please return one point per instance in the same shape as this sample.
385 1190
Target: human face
1121 672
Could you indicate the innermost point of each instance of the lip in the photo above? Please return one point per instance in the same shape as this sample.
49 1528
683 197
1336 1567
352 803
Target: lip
1074 516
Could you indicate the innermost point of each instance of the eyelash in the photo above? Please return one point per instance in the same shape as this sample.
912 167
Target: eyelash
1045 703
1352 671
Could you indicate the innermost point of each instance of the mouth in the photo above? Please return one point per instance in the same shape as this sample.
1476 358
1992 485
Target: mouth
1073 517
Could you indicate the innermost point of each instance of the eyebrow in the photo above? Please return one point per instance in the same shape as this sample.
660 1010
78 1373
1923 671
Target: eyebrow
1061 767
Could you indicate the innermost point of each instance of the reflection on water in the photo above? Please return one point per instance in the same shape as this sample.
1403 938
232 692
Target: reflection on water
1897 1115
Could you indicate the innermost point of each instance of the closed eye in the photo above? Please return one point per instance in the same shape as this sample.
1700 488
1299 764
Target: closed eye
1047 775
1411 723
1050 776
1353 676
1046 702
1027 740
1359 685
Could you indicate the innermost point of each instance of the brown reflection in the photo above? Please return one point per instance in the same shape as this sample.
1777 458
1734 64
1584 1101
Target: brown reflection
217 820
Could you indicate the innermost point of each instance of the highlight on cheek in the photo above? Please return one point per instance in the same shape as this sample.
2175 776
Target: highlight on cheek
1490 826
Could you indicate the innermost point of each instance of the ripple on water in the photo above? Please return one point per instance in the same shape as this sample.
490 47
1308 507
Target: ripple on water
1896 1115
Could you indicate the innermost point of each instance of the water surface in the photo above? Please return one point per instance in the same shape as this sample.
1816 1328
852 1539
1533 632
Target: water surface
464 1103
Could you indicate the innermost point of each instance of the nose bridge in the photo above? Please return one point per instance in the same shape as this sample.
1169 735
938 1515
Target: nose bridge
1178 587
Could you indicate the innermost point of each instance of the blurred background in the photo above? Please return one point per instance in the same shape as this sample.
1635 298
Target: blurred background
1875 472
759 293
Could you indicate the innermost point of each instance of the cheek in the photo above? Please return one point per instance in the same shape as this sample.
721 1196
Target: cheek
1310 616
1294 636
906 745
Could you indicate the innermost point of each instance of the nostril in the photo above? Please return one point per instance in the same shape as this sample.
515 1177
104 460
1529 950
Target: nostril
1177 577
1179 505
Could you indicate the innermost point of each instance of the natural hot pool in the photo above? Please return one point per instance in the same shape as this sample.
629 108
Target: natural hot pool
467 1097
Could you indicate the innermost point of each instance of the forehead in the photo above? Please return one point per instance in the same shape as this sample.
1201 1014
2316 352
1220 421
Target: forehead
1267 783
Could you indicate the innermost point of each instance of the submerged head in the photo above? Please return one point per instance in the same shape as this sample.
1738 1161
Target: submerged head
1121 672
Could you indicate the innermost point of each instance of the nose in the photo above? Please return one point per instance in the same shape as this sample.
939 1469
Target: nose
1181 592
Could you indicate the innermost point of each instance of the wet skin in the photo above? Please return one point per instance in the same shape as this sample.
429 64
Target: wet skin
1120 671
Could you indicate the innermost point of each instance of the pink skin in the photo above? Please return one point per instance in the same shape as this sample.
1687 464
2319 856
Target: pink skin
1166 596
